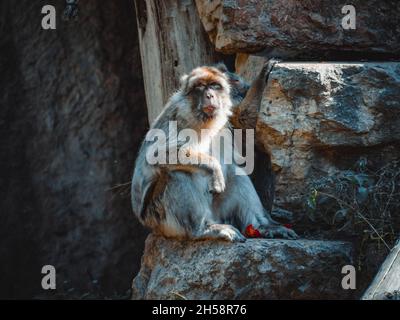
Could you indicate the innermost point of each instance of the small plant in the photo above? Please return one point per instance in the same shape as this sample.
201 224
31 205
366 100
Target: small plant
360 202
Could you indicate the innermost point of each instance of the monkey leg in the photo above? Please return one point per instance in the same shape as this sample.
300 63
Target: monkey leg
241 206
200 161
277 231
186 210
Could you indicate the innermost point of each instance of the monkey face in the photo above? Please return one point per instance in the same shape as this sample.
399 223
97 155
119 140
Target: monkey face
208 90
208 98
239 86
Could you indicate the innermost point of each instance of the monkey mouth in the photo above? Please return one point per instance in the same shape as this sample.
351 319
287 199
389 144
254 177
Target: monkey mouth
209 110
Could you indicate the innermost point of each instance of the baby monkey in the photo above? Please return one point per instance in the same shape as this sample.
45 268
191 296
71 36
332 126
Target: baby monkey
174 198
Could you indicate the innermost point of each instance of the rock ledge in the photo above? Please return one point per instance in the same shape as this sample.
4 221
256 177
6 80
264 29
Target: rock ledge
256 269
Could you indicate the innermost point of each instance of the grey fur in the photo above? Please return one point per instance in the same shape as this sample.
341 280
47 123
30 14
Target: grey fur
176 200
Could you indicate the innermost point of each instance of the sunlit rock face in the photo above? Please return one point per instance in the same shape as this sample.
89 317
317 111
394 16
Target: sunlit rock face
320 118
310 29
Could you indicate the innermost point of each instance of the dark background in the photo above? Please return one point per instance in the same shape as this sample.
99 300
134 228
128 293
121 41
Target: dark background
72 113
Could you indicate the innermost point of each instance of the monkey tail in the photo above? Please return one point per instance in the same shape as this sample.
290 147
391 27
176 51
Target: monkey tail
147 193
154 188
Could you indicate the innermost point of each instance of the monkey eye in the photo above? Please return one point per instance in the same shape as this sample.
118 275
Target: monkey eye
215 86
200 87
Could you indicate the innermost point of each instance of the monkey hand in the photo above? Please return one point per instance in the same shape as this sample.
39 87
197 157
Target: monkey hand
225 232
217 183
231 234
278 231
271 63
267 68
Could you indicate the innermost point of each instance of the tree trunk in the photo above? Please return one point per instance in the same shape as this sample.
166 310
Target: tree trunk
172 42
386 284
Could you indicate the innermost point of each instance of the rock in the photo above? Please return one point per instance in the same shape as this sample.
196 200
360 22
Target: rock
72 116
319 118
256 269
301 28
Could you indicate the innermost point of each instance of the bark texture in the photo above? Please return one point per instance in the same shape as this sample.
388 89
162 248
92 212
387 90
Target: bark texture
386 285
172 42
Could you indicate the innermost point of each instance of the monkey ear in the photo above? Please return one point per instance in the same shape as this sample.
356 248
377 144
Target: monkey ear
221 67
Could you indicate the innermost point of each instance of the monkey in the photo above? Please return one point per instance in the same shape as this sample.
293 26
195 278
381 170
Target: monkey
245 112
198 106
174 199
247 103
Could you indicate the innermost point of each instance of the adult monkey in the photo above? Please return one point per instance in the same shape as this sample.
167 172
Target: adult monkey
173 199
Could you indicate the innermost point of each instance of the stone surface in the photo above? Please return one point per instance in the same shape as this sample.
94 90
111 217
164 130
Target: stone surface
256 269
311 28
72 115
318 118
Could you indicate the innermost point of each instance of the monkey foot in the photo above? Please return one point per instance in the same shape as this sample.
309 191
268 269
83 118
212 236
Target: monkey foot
280 232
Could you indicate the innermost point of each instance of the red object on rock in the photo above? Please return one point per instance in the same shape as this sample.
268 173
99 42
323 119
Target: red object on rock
251 232
288 225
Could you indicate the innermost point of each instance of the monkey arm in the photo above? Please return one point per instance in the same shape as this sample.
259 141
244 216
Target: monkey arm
197 160
152 184
246 113
155 184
